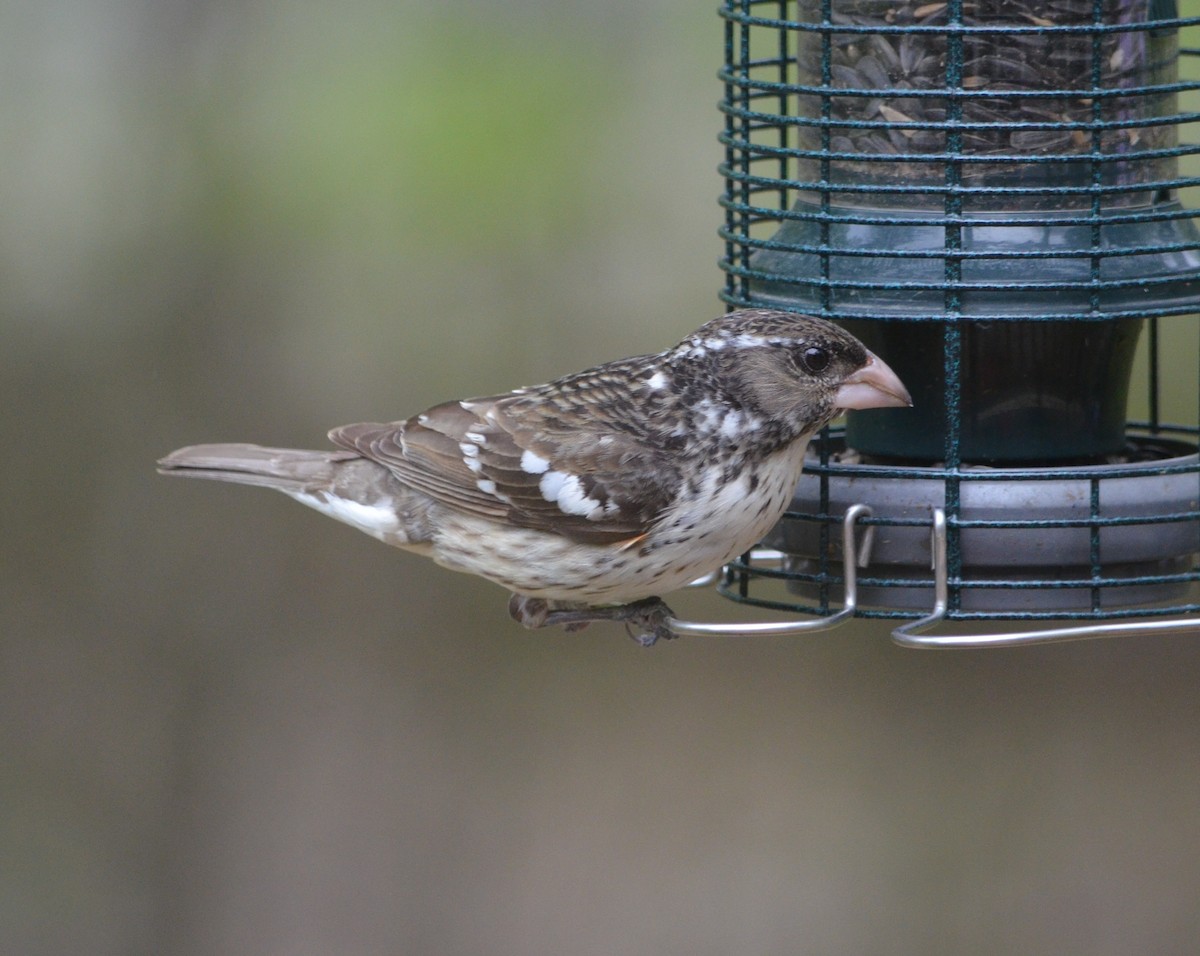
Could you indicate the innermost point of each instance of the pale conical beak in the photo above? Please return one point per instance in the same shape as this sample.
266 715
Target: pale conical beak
873 386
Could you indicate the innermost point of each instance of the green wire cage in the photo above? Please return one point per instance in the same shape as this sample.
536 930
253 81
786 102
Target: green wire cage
991 194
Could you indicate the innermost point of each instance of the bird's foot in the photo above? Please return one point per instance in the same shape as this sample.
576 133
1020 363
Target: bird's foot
645 621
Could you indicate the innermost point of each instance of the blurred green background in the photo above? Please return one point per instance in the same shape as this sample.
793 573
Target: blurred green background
229 725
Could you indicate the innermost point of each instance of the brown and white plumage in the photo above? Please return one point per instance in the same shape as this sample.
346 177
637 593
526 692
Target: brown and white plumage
605 487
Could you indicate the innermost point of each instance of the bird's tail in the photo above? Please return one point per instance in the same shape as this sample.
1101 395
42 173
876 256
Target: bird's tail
290 470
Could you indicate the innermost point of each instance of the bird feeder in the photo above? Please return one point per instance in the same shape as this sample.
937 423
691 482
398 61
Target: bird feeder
988 194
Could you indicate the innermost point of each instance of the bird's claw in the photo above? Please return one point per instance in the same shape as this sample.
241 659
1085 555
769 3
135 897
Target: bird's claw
645 621
528 612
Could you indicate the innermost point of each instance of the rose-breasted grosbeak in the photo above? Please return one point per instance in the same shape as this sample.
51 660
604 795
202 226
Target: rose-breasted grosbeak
591 494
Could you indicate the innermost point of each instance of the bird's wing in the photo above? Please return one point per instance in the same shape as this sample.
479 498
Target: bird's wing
520 460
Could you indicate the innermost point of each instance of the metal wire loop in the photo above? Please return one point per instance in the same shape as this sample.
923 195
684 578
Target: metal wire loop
908 635
854 557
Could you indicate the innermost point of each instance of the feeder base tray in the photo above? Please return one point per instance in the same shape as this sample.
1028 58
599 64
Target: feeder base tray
1095 537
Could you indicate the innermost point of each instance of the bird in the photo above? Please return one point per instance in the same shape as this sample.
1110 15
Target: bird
592 495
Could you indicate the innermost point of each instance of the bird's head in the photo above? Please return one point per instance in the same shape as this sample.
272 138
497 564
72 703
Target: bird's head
795 370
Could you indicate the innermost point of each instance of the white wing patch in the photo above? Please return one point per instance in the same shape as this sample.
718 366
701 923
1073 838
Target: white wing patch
534 464
566 491
487 486
470 455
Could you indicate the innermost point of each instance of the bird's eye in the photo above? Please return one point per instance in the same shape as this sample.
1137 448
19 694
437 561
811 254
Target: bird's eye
814 358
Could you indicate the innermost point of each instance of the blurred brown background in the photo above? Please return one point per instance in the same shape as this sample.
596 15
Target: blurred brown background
229 725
